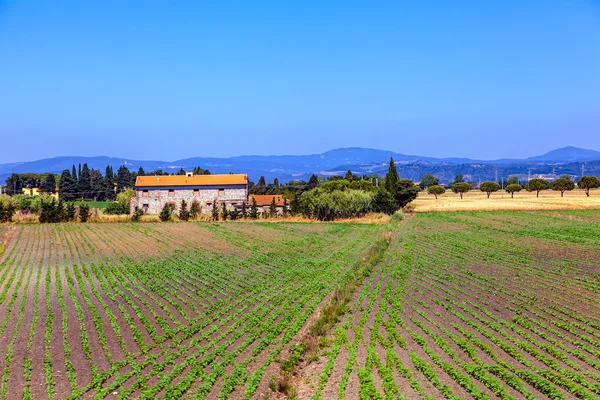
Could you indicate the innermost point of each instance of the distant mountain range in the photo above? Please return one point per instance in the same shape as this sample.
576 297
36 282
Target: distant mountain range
359 160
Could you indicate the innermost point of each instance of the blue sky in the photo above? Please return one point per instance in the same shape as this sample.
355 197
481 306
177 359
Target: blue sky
169 80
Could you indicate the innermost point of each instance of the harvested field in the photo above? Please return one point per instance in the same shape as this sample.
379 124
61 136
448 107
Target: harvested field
523 201
458 305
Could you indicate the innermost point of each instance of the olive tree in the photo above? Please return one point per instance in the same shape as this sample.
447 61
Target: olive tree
489 188
512 188
588 182
461 188
562 185
537 185
436 190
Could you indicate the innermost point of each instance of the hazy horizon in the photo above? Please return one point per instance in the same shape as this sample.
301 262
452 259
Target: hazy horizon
168 81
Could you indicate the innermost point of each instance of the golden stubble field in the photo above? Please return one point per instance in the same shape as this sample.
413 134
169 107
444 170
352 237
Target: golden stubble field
523 201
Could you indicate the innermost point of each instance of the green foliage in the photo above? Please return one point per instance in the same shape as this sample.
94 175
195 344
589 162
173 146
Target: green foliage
224 212
328 206
84 212
513 188
215 211
137 214
489 188
195 209
165 213
436 190
461 188
343 184
70 212
404 192
428 180
184 214
313 181
7 210
391 178
261 181
253 209
537 185
384 202
273 209
587 183
67 187
244 210
121 205
563 184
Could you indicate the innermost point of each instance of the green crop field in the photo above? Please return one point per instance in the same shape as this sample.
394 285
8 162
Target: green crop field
448 305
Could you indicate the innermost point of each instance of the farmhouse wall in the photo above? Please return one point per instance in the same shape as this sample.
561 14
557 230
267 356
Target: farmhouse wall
158 196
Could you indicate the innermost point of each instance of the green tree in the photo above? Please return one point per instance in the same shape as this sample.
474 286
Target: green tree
49 184
195 209
84 185
261 181
512 180
384 202
184 214
588 182
84 212
513 188
489 188
141 172
562 185
67 188
215 211
70 212
244 210
461 188
97 180
123 178
537 185
74 174
234 214
273 208
404 192
428 180
276 182
224 212
7 210
349 176
137 214
165 213
285 210
253 209
391 178
313 181
436 190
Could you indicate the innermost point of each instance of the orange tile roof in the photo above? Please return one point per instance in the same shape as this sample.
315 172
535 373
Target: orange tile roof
263 200
196 180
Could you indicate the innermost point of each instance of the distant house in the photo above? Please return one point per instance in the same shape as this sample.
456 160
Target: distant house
36 192
153 192
263 201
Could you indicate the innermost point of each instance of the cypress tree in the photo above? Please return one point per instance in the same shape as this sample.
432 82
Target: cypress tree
273 208
313 181
70 212
50 184
84 212
215 211
165 214
276 182
79 173
261 181
67 189
224 212
244 210
392 177
195 209
141 172
184 214
285 207
74 174
85 183
123 178
253 209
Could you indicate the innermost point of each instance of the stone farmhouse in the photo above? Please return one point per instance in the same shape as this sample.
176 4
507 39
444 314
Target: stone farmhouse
152 192
263 202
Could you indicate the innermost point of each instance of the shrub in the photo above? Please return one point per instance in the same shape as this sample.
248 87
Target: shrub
165 213
121 205
384 202
70 212
7 210
327 206
184 214
137 214
84 212
195 209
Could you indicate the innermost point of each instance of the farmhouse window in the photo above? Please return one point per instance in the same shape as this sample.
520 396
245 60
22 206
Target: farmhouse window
196 192
171 193
145 207
145 193
208 204
221 192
